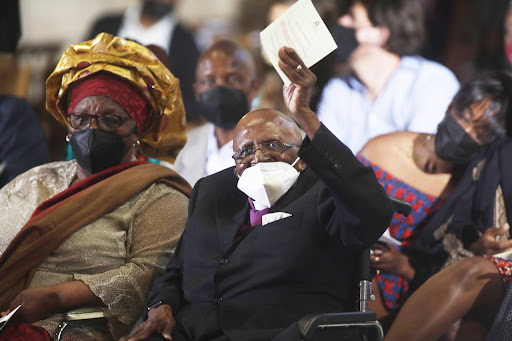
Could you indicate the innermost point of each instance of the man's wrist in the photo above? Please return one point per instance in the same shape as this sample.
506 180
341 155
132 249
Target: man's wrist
307 120
155 305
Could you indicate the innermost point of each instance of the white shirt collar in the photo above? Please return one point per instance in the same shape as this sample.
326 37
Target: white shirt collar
217 158
158 34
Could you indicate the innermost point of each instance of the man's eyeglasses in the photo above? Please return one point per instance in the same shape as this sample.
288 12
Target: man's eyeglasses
271 148
108 123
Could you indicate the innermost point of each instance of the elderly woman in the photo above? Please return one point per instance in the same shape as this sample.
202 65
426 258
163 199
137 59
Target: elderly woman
96 231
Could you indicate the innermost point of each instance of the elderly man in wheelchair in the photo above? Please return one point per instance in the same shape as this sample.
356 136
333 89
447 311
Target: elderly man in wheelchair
276 237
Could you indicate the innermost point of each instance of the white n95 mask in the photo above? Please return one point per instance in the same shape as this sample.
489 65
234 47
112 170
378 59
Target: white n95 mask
266 182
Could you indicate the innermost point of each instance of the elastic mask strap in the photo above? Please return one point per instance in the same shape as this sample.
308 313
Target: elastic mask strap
296 160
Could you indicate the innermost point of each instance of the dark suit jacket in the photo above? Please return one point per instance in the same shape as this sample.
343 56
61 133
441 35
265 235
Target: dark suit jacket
22 140
283 270
183 56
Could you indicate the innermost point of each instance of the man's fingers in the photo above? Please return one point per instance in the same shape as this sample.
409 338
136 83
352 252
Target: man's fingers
290 57
290 72
143 331
168 328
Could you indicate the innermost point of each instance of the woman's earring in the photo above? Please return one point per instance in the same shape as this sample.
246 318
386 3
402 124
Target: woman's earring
67 138
136 144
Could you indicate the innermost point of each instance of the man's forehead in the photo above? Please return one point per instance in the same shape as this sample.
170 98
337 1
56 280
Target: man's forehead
263 129
220 58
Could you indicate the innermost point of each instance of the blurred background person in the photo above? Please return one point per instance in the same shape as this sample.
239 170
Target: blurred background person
254 17
389 87
226 84
464 35
154 22
22 140
507 35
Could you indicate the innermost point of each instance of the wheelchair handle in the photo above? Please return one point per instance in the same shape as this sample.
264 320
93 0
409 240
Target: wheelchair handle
402 207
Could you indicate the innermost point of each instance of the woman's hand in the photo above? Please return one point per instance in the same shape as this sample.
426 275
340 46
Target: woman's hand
387 258
160 320
297 95
491 243
36 304
40 302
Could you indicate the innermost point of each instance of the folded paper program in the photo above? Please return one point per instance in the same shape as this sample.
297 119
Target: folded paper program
271 217
302 29
388 239
6 318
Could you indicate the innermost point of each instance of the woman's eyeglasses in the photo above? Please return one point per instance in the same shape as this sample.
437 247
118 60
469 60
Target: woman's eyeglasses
108 123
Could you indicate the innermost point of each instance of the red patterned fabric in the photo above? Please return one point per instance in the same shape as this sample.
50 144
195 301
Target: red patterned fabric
394 289
106 84
24 332
504 267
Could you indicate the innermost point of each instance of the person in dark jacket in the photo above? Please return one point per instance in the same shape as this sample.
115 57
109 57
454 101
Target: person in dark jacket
22 140
273 238
153 22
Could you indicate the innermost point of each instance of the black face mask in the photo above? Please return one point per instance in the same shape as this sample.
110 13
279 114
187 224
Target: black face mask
96 150
453 144
346 40
156 9
223 106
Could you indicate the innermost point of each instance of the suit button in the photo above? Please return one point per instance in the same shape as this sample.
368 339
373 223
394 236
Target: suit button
224 261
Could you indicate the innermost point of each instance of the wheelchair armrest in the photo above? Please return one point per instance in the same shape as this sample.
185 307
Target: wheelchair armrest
85 314
310 323
83 317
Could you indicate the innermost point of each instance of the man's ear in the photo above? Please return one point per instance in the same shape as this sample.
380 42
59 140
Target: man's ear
255 88
301 166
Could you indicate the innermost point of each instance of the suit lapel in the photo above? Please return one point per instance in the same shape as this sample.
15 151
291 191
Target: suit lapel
232 211
306 180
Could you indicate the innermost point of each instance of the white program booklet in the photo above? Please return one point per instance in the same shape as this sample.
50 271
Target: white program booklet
388 239
302 29
504 255
6 318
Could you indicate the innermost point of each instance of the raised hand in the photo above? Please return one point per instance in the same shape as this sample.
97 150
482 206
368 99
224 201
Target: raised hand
297 96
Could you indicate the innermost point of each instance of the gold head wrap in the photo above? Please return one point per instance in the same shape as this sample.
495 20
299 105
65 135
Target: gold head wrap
165 131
